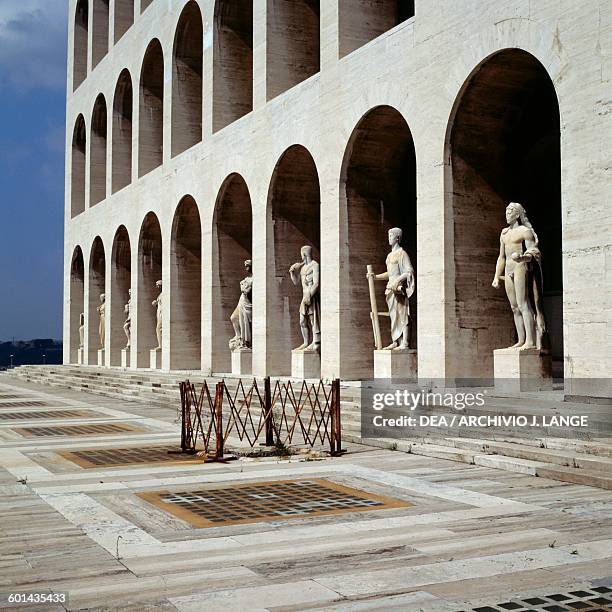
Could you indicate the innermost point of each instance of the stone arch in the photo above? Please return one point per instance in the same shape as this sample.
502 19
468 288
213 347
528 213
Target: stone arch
151 122
123 105
124 17
232 243
97 156
377 192
77 301
80 42
121 283
294 220
233 61
187 79
79 164
502 145
186 287
97 286
292 44
100 31
149 272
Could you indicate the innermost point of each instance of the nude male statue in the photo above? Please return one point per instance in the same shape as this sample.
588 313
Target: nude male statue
243 313
158 302
306 273
519 266
101 327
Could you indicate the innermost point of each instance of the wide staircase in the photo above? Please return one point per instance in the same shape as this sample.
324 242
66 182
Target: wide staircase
576 458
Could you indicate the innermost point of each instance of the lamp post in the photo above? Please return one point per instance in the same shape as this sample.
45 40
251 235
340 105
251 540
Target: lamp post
44 360
11 361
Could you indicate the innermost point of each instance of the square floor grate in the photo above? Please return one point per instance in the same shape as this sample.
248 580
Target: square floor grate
50 414
593 599
267 501
111 457
23 404
77 430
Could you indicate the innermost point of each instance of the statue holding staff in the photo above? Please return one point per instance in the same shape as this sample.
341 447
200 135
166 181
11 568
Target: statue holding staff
519 266
307 274
242 316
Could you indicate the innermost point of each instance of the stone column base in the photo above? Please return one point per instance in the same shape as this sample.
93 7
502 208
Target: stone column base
81 356
125 358
101 357
305 364
155 359
396 363
522 370
242 362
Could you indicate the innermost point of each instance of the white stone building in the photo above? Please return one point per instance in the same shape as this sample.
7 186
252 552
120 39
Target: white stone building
201 133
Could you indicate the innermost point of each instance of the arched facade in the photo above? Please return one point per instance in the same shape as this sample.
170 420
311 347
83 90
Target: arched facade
79 165
121 284
98 149
503 145
80 43
96 288
151 100
123 105
187 79
186 287
377 192
77 302
124 17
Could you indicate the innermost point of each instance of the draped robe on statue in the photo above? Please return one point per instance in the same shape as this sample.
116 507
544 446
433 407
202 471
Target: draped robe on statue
398 263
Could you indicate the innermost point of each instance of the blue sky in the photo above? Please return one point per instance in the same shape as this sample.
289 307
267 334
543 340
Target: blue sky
32 118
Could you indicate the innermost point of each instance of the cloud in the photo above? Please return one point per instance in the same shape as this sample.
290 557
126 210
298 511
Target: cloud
33 44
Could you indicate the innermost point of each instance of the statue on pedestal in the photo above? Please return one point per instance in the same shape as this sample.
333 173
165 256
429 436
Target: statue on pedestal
101 327
519 266
400 287
158 328
306 273
81 330
127 326
242 316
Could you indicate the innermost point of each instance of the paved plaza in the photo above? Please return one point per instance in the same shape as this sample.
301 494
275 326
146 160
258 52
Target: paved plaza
371 530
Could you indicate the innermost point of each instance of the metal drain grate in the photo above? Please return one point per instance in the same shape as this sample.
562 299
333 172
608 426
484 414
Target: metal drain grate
593 599
23 404
109 457
267 501
77 430
51 414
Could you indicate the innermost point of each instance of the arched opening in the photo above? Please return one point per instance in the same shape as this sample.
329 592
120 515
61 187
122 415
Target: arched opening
151 128
81 37
503 145
186 283
292 43
97 284
144 4
377 192
187 80
232 246
79 163
121 283
97 168
233 61
149 272
294 204
122 132
77 301
124 17
100 31
360 21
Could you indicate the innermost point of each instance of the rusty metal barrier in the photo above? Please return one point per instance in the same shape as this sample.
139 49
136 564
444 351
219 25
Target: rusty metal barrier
290 414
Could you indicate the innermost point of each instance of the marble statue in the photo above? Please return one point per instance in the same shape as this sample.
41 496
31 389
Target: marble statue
101 328
242 316
127 326
158 328
306 273
400 287
82 330
519 266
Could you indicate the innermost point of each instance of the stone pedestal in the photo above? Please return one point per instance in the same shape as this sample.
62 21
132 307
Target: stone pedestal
305 364
396 363
125 358
81 356
521 370
155 359
242 362
101 357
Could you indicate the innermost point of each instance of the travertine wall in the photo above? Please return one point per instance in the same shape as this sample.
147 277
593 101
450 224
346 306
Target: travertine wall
419 68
